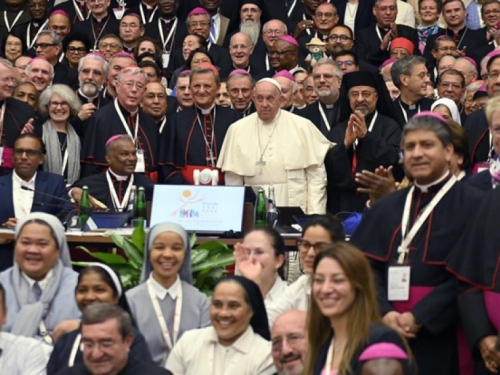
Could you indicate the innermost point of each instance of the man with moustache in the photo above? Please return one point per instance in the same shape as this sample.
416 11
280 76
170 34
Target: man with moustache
123 116
40 73
92 72
289 342
451 85
240 89
154 104
329 110
367 140
27 93
182 91
283 55
278 148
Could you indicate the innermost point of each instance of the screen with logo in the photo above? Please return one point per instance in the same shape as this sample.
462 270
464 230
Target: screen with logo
208 209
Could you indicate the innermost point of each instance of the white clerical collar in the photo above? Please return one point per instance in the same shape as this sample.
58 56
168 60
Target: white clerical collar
168 20
117 176
42 283
20 181
243 344
206 111
425 188
89 98
161 292
99 19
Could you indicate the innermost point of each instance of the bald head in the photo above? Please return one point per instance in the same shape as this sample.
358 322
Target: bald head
240 49
283 55
272 31
60 24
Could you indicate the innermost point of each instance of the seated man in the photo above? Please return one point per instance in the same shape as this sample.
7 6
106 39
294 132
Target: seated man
279 148
113 187
104 323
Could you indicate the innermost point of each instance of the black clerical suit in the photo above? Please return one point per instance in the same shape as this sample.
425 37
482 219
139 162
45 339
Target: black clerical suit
133 367
403 112
70 7
335 114
182 143
379 147
106 123
432 288
368 43
478 133
65 75
364 14
95 29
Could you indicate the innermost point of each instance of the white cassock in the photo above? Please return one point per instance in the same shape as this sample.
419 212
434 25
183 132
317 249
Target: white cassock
287 153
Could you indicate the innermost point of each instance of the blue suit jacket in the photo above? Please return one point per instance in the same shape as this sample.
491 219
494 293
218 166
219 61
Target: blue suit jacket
48 183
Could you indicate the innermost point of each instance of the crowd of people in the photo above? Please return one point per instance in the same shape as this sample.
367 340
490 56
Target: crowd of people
385 108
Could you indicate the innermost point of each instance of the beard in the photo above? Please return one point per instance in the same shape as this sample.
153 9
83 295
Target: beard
252 29
89 89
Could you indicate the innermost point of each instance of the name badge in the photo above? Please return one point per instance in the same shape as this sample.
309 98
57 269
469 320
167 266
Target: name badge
398 283
119 12
141 163
165 59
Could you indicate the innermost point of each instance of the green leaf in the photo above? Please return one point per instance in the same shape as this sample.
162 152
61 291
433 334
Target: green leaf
132 252
106 258
212 245
222 261
138 238
192 239
198 256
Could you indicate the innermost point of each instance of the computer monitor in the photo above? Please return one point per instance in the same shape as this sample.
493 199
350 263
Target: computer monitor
203 209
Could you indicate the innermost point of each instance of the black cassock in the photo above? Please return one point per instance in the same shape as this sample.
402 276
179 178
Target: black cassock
476 261
478 132
432 288
183 144
106 123
99 189
379 147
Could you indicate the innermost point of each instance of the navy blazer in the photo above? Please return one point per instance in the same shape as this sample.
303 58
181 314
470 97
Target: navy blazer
481 180
45 182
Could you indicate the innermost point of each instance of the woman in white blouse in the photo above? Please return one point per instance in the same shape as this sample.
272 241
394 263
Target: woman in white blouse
237 343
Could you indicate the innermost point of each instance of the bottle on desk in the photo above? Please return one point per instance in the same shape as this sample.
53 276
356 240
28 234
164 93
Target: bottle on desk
260 209
139 221
272 211
84 206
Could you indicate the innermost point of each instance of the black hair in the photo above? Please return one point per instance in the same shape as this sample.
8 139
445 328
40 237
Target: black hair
76 36
16 34
346 53
154 56
150 64
329 223
276 242
195 51
452 72
33 136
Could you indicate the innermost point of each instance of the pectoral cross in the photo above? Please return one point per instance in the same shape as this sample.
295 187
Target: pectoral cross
260 164
211 159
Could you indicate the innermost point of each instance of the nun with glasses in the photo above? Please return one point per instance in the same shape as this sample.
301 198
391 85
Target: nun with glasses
165 305
97 283
238 340
41 283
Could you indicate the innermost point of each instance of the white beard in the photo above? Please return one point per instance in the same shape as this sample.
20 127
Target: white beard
252 29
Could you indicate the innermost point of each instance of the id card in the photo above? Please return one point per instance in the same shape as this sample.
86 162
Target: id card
398 283
140 167
165 59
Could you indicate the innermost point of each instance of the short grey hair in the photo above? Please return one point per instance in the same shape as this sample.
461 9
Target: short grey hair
92 56
264 28
27 70
328 61
473 87
441 129
234 76
133 71
65 93
55 38
404 66
473 69
98 313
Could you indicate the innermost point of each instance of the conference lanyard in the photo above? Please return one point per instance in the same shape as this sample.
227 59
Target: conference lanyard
406 239
98 37
125 125
143 17
79 12
74 350
114 197
65 160
169 341
405 115
30 42
380 36
323 116
9 27
163 122
291 8
164 41
305 19
210 146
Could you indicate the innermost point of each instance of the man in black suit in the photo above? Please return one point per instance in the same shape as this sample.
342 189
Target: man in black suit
38 12
363 14
411 77
372 43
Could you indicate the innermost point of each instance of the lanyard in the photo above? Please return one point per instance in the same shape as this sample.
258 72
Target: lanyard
125 125
169 341
210 145
9 27
30 42
114 197
329 357
323 116
74 350
406 239
143 17
2 116
79 12
164 121
65 160
291 8
370 128
164 41
267 62
405 115
96 38
305 19
380 36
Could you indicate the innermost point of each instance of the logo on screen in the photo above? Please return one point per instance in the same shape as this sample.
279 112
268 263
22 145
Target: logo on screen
187 199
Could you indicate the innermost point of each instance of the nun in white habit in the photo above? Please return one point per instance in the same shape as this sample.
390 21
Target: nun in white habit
41 283
165 304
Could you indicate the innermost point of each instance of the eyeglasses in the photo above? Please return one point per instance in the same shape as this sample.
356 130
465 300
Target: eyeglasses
326 15
346 63
78 50
137 85
275 32
454 86
343 38
363 94
95 72
43 45
8 80
293 339
282 53
57 104
304 246
202 24
493 75
29 153
109 45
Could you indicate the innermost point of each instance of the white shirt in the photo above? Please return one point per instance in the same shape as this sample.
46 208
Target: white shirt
22 199
22 355
199 352
42 283
406 14
160 290
295 297
276 291
216 20
117 176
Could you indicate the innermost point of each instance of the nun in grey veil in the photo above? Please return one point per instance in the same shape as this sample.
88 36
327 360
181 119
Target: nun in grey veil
177 309
39 297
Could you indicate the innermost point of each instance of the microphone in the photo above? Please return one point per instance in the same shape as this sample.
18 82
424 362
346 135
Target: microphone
49 195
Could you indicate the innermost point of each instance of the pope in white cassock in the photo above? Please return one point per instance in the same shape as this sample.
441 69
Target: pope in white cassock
279 148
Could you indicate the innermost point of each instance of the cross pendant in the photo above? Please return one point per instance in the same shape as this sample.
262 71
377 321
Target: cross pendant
211 159
261 164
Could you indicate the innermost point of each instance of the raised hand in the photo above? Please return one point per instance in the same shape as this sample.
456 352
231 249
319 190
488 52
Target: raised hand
248 265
